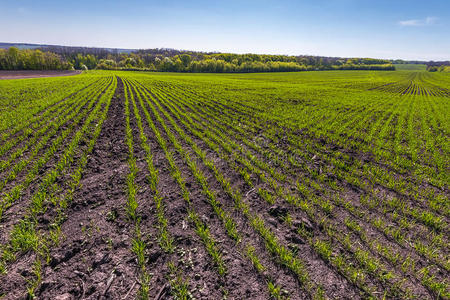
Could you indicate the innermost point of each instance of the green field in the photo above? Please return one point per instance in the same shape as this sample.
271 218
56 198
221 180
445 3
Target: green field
329 184
410 67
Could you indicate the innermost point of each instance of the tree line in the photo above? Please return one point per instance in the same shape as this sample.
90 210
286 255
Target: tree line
441 68
15 59
438 66
169 60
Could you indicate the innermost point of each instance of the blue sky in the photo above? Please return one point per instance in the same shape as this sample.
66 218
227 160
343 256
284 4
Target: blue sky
349 28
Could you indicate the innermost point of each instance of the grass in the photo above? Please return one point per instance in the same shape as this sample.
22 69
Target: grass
410 67
336 172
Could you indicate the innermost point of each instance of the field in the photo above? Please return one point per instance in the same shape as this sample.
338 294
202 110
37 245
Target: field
410 67
35 74
311 185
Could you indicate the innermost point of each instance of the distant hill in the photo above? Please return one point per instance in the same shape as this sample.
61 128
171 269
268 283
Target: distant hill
410 67
169 52
175 60
74 48
20 46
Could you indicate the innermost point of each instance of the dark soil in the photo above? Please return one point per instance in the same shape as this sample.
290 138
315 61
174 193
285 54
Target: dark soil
332 284
94 259
97 243
190 256
241 280
14 213
320 272
35 74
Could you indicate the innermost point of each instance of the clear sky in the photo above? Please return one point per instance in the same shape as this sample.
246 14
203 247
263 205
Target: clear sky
407 29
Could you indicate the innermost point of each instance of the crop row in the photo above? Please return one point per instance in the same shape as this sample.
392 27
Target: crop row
349 210
24 235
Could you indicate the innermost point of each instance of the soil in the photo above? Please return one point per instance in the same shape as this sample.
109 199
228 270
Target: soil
35 74
97 243
333 286
94 259
319 271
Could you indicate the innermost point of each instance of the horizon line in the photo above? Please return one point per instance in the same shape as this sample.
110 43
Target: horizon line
219 52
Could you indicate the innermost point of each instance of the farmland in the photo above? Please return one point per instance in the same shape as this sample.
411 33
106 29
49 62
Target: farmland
309 185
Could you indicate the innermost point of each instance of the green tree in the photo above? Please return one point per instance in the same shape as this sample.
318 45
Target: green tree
186 59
